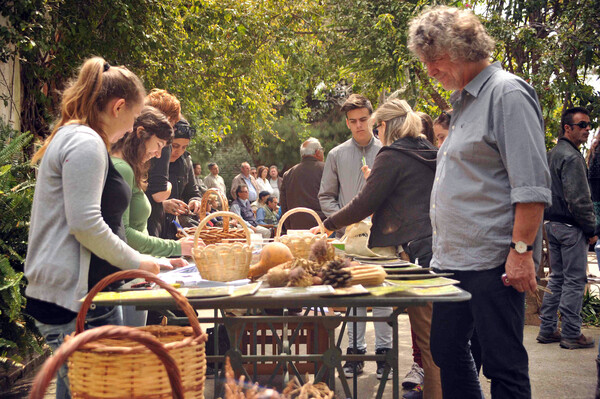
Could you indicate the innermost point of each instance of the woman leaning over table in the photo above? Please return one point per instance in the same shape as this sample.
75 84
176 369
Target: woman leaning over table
67 226
397 193
131 156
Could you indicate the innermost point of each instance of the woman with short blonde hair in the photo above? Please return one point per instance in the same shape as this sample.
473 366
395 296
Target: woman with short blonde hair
397 194
398 120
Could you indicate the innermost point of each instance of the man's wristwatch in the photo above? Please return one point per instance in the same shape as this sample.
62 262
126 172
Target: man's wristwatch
521 247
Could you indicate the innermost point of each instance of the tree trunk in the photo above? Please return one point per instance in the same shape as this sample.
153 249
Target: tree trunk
435 96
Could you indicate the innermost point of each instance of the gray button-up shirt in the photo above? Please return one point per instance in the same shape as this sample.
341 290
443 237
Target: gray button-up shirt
493 158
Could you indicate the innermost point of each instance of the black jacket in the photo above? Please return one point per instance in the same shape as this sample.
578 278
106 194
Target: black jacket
300 188
397 192
571 200
181 176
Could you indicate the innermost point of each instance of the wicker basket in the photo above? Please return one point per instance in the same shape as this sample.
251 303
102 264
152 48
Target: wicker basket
116 366
300 244
213 235
223 261
168 377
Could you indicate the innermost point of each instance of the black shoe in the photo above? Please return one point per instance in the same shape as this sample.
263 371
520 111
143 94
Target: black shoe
548 338
210 372
382 363
351 368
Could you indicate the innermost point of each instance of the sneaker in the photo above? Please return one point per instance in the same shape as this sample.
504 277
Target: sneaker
382 363
210 372
415 393
548 338
577 343
414 377
351 367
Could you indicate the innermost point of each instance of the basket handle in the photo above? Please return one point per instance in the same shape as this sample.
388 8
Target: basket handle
203 222
181 300
52 364
204 205
297 210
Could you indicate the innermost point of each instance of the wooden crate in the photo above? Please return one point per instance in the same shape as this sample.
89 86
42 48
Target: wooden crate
310 339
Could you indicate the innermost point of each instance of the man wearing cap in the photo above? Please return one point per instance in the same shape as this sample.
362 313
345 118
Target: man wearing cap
185 197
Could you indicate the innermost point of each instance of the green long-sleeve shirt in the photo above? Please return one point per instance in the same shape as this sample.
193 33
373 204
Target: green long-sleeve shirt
136 216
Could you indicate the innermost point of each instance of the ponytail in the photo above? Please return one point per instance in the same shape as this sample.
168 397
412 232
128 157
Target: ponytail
401 121
88 94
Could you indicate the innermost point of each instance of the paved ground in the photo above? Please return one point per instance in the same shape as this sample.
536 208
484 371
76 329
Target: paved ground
555 372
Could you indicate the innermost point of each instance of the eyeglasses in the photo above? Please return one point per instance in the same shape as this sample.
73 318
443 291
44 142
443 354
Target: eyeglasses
582 124
376 131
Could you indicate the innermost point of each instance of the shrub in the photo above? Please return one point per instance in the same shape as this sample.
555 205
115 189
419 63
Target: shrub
17 331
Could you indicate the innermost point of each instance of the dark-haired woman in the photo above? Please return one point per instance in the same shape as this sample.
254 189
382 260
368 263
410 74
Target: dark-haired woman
131 156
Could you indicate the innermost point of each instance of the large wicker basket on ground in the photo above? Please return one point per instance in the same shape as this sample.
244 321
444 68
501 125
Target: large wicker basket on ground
121 368
168 377
223 261
213 235
300 244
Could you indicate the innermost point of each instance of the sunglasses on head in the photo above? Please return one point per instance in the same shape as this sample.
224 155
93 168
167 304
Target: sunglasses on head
582 124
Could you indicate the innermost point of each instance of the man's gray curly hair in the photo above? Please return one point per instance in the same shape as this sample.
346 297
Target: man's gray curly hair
447 30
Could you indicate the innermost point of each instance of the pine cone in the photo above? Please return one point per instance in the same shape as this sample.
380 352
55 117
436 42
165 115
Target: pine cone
299 277
310 266
336 273
337 278
337 263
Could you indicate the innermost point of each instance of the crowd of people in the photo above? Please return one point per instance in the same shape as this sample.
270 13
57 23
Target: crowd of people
464 193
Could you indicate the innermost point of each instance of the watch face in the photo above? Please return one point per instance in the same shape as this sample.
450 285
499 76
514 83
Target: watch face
520 247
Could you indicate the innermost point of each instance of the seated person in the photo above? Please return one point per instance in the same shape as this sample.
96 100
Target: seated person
267 216
212 207
241 207
260 202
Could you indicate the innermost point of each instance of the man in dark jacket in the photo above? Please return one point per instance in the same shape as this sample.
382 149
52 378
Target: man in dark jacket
300 187
571 226
185 197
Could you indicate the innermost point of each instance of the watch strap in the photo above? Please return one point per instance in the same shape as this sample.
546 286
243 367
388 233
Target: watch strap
528 247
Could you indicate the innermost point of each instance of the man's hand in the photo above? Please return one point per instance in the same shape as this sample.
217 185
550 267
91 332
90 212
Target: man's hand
366 171
592 240
520 271
317 230
194 206
175 207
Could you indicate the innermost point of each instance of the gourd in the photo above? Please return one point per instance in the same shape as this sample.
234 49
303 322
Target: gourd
273 254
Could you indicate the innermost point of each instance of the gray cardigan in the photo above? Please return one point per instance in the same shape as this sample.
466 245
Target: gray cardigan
66 223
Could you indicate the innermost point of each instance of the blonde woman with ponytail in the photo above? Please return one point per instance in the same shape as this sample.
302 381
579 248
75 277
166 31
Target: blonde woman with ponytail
397 194
70 243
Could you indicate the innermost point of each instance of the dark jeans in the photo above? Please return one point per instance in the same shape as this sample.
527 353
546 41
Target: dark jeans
568 259
498 314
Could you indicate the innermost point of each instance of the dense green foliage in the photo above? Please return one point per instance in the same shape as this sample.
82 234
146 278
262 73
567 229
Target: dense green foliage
590 310
16 195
